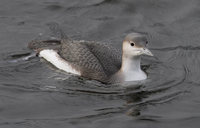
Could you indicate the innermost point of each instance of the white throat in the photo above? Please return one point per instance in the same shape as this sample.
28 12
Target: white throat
131 69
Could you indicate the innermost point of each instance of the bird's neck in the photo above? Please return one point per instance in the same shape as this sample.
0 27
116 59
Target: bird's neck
130 63
131 69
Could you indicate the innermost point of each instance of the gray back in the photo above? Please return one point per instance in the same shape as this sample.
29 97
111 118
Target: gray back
94 60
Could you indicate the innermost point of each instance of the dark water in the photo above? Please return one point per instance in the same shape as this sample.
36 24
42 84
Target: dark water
33 94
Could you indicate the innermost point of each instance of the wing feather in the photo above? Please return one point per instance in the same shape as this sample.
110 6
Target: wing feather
94 60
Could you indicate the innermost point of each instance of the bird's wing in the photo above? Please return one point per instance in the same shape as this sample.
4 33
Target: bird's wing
82 58
108 57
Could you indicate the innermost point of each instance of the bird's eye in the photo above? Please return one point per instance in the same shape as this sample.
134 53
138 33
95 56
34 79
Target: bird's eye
147 42
132 44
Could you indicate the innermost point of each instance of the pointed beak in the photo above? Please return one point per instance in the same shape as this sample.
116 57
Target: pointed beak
146 51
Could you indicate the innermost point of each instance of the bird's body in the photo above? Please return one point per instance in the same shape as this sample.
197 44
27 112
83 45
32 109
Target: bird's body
95 60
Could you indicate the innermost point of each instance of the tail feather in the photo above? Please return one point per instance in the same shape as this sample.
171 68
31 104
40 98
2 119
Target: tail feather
46 44
54 44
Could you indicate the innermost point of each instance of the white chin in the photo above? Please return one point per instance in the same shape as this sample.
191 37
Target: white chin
137 54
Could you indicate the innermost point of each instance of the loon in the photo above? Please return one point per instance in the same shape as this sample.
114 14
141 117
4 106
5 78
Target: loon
95 60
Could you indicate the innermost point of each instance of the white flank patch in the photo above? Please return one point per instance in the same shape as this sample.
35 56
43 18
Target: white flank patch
53 57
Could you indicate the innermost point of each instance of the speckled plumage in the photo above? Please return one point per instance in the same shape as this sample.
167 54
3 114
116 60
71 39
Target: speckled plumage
94 60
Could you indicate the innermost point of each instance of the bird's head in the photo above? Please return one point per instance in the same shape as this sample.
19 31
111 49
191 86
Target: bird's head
135 44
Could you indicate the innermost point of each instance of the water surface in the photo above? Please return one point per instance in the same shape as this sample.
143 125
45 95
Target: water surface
34 94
